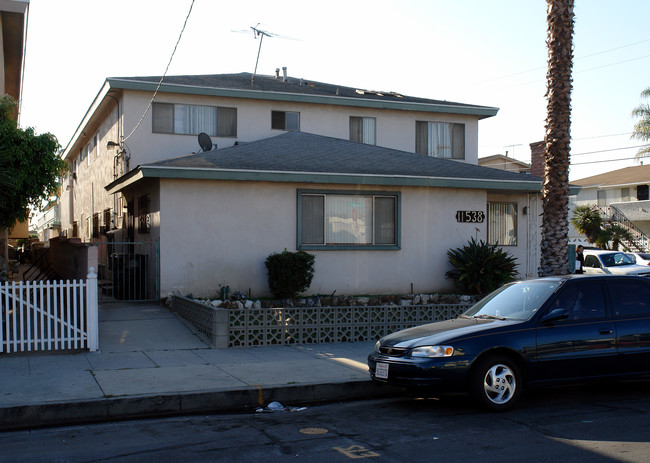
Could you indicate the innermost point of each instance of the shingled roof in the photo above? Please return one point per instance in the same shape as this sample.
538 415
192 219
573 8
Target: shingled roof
294 89
626 176
304 157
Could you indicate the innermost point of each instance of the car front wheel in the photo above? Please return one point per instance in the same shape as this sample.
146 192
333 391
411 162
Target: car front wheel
496 383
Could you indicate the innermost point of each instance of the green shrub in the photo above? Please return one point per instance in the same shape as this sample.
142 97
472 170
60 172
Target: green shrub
481 268
289 273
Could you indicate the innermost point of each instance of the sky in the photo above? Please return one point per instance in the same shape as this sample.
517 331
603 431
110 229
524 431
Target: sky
490 53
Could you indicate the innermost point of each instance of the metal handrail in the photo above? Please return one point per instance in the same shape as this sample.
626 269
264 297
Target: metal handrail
641 241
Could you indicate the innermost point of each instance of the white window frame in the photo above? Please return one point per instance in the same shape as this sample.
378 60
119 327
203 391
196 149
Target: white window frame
284 125
440 139
502 218
368 132
198 113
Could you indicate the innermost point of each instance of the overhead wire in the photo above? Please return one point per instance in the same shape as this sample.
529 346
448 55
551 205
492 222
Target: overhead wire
163 76
608 150
604 160
575 59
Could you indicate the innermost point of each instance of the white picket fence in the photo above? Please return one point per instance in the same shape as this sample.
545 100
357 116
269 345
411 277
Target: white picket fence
49 315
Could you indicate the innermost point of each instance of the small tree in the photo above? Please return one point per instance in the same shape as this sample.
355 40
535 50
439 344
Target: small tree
481 267
289 273
30 163
614 234
588 221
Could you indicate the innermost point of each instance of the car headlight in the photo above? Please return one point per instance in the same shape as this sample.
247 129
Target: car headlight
432 351
377 346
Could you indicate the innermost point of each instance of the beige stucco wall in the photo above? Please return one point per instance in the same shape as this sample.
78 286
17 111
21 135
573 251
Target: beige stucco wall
231 227
83 196
395 129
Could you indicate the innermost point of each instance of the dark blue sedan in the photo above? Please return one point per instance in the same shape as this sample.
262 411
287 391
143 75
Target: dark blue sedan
535 332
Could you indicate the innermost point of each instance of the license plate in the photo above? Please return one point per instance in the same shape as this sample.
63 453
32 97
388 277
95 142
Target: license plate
381 371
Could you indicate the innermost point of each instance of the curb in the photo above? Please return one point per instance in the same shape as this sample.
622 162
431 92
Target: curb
149 406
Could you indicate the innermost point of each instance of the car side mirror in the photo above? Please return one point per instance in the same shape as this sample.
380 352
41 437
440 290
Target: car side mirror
555 315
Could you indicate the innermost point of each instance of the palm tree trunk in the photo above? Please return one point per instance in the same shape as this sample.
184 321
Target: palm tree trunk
555 191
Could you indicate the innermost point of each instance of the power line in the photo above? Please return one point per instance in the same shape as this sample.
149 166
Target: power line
612 64
597 162
163 76
601 136
575 72
608 150
575 59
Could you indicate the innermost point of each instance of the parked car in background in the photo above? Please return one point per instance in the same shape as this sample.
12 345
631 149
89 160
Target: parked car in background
614 262
536 332
639 258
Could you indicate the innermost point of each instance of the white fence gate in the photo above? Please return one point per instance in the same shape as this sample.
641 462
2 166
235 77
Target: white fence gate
49 315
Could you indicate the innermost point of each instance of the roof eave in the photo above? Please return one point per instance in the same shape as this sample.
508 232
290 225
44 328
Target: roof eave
481 112
318 177
87 117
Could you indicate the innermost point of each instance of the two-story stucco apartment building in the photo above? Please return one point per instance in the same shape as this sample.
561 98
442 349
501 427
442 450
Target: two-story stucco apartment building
623 198
377 185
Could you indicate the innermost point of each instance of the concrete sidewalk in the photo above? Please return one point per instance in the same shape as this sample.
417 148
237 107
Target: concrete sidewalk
152 364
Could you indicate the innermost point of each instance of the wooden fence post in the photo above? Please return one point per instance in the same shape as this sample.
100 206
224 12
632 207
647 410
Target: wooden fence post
92 308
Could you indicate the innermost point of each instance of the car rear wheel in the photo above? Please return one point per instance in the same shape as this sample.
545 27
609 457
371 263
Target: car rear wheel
496 383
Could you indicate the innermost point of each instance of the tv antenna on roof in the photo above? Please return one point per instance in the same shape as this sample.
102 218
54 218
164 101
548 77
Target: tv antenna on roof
257 32
261 34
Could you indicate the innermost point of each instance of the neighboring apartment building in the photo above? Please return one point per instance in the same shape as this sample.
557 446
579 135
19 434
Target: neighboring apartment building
499 161
13 28
389 182
622 196
46 220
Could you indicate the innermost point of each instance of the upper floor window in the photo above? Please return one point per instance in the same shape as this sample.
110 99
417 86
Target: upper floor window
341 219
642 192
502 224
440 139
95 145
95 228
193 119
363 129
107 219
285 120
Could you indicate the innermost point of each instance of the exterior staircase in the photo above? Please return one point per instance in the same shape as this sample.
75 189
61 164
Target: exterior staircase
640 241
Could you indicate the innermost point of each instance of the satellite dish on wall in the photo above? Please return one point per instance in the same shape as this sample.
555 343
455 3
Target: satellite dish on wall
205 142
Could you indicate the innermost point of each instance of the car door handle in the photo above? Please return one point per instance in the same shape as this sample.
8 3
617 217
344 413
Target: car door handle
605 331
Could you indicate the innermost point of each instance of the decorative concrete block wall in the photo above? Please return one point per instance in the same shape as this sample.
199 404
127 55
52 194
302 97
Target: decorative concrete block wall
306 325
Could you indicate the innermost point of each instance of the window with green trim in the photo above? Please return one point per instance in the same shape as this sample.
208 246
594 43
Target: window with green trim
333 219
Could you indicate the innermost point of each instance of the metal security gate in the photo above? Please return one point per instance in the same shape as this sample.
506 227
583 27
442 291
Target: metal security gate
128 271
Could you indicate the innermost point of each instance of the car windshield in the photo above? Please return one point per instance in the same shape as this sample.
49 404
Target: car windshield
616 259
515 301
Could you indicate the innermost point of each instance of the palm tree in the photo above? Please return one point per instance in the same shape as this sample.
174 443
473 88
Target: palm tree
642 128
555 190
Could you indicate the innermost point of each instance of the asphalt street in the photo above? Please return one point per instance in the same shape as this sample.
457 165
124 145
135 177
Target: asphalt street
597 423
